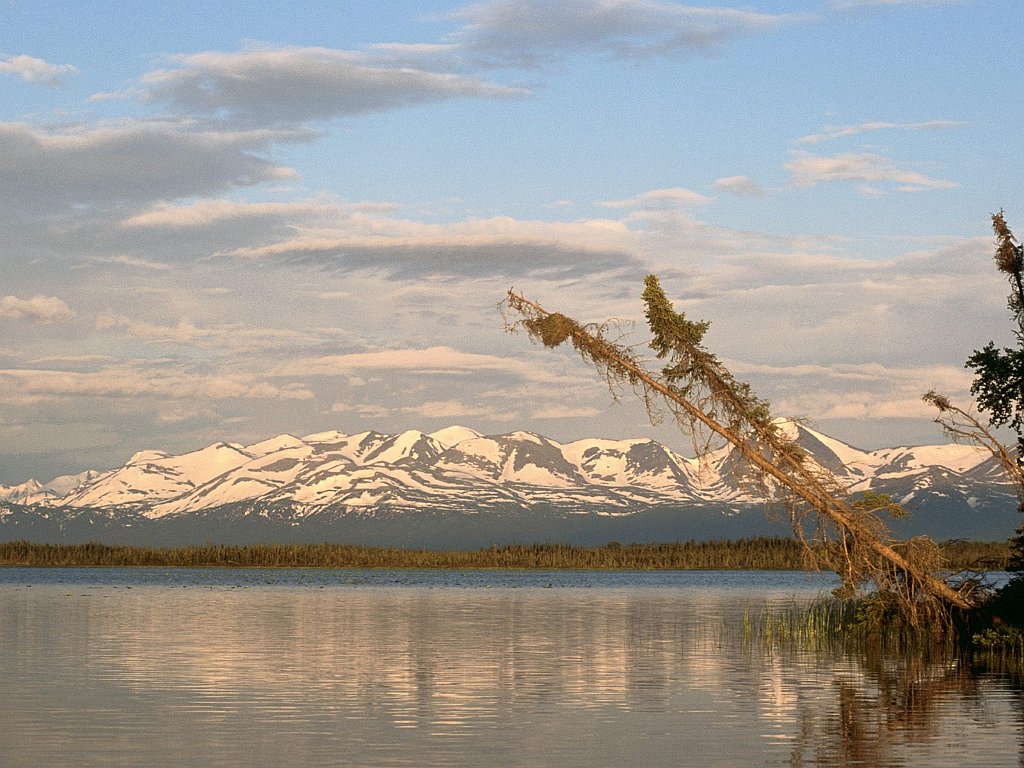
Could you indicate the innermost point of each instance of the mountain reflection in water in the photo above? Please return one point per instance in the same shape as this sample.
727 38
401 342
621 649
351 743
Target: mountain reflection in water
388 669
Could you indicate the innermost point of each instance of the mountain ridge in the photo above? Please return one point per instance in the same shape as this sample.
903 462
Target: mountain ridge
460 473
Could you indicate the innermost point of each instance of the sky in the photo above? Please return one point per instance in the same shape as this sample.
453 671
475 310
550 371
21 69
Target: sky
227 221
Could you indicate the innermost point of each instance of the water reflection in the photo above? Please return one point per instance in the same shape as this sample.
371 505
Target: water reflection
110 675
894 712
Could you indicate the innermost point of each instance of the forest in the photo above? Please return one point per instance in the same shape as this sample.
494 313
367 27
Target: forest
745 554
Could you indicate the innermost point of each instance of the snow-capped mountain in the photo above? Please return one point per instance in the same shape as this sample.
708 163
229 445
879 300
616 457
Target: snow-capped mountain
331 476
32 491
455 468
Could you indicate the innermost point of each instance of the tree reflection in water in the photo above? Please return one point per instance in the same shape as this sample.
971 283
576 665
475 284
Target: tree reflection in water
886 705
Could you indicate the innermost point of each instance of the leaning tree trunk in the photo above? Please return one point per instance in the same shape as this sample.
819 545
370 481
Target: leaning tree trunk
698 390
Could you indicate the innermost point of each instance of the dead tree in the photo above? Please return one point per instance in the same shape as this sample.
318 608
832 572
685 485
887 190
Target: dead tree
963 426
705 400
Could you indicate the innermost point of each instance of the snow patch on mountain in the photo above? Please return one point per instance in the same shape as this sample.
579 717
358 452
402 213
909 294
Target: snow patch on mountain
330 437
452 436
274 444
153 476
21 492
411 445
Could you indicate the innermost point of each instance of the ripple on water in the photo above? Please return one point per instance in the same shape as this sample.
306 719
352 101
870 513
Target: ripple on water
215 668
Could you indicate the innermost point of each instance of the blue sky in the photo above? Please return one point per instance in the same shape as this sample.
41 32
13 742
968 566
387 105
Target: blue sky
238 219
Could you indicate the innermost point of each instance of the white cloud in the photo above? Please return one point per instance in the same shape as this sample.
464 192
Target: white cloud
453 409
292 86
742 186
830 317
810 170
875 391
185 332
404 51
236 337
201 304
436 360
499 245
845 5
859 374
531 32
132 261
361 230
363 410
819 304
869 191
178 412
41 437
131 381
659 197
428 409
35 70
566 412
128 162
79 360
335 295
323 225
514 404
44 309
847 131
445 383
205 213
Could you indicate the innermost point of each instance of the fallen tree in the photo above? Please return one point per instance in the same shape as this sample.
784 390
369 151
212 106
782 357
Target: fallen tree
707 402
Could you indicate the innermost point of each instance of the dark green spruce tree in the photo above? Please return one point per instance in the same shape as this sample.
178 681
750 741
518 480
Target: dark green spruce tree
998 385
999 373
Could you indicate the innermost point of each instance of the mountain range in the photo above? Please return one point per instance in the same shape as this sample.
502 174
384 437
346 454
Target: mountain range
459 488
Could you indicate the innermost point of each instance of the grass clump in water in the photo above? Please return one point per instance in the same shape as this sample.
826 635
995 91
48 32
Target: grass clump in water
821 624
997 629
1004 641
872 623
874 626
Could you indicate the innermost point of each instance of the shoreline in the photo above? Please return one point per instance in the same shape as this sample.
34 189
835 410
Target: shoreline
770 554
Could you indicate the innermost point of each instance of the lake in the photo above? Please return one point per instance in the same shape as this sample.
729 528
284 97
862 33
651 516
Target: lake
210 667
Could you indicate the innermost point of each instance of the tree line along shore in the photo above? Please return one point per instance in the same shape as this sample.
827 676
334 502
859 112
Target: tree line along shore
744 554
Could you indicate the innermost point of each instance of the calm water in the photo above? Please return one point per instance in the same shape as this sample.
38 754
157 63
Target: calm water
150 667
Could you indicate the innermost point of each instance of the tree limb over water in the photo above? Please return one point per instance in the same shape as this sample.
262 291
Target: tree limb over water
697 390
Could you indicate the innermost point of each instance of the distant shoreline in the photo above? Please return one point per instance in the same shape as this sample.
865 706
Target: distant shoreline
774 554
